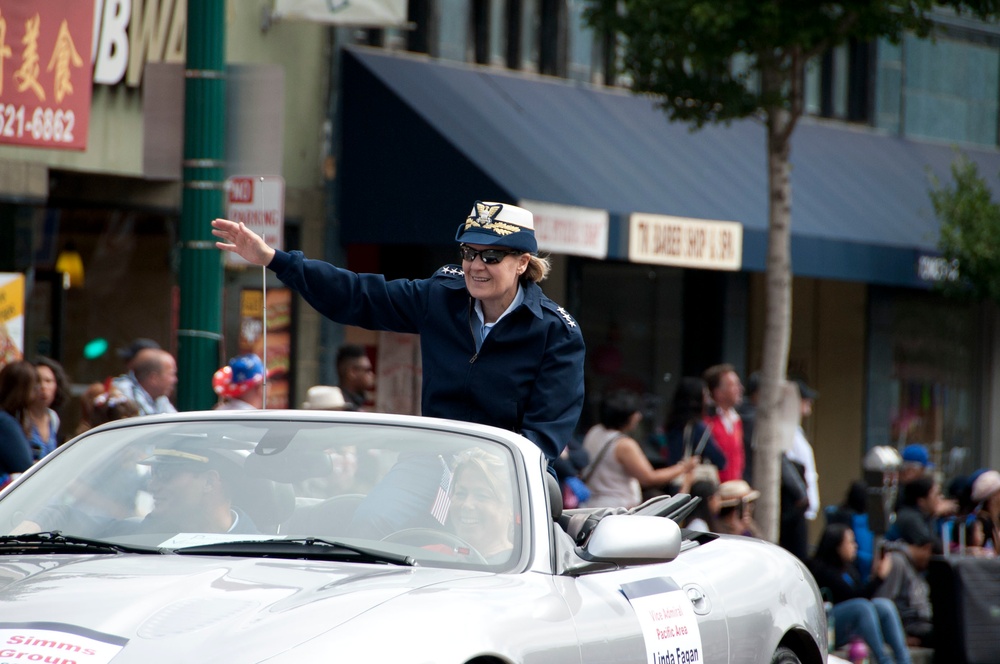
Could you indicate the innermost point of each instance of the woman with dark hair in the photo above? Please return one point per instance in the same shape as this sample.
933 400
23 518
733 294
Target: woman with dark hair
855 612
854 513
685 431
703 517
18 384
53 392
618 467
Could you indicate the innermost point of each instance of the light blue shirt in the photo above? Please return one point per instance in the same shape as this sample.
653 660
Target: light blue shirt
129 386
483 329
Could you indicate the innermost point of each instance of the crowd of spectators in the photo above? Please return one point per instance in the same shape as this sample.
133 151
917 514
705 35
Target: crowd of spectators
876 582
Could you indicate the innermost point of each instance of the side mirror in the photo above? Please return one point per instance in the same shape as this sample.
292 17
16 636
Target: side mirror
630 539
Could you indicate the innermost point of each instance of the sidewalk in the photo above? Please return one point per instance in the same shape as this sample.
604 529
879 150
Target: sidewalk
917 656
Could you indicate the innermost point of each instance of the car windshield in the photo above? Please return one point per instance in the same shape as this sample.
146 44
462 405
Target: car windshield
440 498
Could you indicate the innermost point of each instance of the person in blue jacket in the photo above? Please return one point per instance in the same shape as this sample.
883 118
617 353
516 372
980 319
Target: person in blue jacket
18 389
495 349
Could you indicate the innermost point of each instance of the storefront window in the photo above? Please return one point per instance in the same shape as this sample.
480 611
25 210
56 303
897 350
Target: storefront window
924 376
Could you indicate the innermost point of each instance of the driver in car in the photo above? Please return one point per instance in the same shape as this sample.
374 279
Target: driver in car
191 489
191 493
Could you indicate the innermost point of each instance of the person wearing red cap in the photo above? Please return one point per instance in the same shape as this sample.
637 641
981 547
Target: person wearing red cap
240 384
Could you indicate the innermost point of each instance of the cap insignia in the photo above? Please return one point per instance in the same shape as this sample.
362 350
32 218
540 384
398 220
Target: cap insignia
484 218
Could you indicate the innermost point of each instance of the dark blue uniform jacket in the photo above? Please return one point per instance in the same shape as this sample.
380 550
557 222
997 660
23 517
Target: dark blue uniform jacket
527 376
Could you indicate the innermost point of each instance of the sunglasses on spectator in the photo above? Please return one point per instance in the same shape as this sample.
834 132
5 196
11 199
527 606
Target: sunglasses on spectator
489 256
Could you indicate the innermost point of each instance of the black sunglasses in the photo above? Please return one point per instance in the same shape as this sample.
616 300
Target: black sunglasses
488 256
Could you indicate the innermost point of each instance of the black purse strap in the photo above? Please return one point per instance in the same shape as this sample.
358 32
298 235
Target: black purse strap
600 455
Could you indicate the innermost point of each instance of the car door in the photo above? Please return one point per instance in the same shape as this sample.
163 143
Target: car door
667 613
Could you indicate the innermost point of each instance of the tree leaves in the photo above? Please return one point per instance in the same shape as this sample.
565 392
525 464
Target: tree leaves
970 232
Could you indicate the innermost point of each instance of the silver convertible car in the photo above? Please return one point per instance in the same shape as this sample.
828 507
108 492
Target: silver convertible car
298 536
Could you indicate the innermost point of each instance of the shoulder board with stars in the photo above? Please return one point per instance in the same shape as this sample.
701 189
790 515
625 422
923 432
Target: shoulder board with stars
570 322
450 271
562 313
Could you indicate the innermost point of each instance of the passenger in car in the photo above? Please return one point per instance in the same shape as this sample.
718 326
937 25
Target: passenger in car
481 510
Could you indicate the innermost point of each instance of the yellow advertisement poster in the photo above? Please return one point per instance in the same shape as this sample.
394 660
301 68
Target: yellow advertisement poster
277 357
11 316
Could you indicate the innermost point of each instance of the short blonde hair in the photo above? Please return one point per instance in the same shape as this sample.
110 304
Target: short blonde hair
537 269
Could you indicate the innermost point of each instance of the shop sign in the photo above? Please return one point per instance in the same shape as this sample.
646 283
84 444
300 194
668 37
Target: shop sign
684 242
374 13
570 230
259 202
937 269
11 316
45 73
127 35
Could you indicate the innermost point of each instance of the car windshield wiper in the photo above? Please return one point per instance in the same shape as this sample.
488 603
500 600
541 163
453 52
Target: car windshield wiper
309 548
54 541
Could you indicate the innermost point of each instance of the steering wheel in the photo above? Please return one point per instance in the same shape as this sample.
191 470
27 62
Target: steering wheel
429 536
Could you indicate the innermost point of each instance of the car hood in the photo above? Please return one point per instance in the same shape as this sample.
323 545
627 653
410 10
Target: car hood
199 608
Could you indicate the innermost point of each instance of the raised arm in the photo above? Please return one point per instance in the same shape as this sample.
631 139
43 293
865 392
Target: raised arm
240 240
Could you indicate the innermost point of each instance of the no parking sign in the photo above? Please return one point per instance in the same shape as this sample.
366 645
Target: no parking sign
259 202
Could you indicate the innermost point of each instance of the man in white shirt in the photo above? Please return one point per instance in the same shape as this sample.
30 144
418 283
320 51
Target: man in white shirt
150 382
802 452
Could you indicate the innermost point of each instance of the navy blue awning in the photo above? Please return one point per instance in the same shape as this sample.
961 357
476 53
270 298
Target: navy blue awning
423 138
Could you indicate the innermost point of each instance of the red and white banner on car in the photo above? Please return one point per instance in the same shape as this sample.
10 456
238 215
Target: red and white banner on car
56 642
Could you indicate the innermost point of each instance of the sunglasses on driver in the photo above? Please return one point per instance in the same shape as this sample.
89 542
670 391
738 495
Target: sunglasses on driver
488 256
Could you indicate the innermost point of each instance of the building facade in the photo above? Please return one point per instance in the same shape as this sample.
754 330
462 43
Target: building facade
384 138
894 361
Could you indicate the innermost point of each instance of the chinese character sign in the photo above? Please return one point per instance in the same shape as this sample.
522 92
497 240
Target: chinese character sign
45 72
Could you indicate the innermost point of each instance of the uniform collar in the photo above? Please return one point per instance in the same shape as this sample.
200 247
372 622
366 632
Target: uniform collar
532 291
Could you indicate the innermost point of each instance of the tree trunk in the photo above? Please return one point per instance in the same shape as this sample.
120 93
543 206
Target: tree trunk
777 324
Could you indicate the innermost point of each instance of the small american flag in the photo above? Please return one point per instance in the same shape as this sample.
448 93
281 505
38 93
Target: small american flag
442 501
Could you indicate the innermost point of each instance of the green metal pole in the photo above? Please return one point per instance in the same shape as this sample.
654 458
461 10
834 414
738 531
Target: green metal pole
200 331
